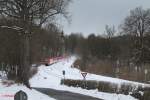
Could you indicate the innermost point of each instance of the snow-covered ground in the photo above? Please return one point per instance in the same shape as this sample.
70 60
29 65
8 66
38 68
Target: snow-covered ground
7 93
50 77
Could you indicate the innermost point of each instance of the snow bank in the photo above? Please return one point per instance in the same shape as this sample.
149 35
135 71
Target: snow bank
7 93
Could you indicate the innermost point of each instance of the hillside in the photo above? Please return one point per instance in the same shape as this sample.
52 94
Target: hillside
50 77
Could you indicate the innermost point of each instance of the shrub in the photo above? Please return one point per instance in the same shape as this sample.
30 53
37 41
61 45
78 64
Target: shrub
136 95
146 95
74 83
91 85
104 86
126 88
107 87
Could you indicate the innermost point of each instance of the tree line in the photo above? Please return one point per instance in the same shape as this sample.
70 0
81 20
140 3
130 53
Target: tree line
24 34
130 46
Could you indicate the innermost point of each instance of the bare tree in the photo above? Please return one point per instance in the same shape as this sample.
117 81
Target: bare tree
137 24
110 31
29 13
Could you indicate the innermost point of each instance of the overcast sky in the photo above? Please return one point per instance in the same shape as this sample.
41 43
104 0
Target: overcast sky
91 16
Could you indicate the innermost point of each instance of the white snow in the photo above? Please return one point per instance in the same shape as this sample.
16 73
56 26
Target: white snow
50 77
7 93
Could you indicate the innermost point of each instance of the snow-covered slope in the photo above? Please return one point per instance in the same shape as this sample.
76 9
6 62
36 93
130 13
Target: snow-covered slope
50 77
7 93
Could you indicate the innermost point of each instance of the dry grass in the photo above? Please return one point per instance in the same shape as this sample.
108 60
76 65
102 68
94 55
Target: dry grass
108 68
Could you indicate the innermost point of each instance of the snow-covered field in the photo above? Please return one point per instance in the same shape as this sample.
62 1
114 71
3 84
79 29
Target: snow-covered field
50 77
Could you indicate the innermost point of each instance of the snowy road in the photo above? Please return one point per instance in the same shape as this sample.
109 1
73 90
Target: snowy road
64 95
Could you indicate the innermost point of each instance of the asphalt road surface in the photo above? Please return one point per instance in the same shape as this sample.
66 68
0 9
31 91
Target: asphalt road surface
64 95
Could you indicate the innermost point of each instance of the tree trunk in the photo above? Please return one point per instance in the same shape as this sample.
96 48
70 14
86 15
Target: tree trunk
25 60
